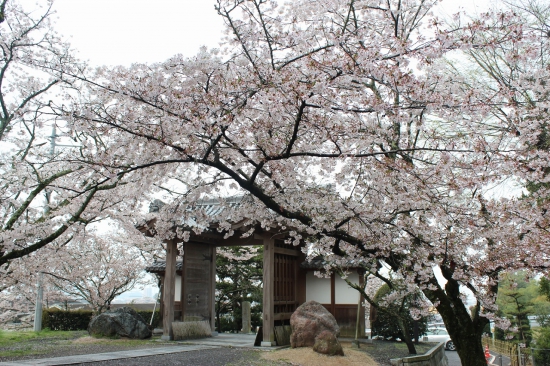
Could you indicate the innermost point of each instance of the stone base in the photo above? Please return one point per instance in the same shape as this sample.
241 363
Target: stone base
166 338
215 334
267 344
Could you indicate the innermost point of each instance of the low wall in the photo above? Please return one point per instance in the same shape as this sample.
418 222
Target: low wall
434 357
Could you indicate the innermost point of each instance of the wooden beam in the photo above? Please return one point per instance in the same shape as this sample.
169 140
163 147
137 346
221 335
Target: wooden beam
269 235
268 305
285 251
169 290
218 240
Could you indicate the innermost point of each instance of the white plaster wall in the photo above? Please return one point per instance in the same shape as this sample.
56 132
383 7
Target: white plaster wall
317 289
177 296
345 294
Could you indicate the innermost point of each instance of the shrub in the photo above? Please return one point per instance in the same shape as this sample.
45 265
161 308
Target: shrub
541 352
56 319
146 315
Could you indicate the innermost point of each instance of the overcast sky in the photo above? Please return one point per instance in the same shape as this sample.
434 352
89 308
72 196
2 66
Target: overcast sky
120 32
115 32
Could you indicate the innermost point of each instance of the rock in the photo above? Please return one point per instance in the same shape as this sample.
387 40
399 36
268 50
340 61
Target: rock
308 321
327 344
123 322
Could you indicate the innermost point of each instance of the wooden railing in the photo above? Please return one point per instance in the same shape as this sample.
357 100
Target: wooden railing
509 350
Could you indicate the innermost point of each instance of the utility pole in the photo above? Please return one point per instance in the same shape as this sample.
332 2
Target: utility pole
39 288
39 294
38 308
52 153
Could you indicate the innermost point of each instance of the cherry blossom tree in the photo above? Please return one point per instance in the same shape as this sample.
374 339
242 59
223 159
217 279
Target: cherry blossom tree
348 127
45 196
97 269
385 295
93 267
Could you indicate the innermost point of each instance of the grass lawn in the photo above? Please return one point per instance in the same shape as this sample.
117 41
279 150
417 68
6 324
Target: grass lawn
27 343
8 338
47 343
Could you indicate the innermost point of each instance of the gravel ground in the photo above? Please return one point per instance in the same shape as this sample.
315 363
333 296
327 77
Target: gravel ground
77 344
210 357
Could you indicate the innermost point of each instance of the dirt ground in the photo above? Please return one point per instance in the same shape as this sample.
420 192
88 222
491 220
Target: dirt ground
307 357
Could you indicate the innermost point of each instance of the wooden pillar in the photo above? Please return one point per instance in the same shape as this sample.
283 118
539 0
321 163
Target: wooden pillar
212 292
300 281
268 303
169 290
184 278
161 289
182 284
361 273
333 294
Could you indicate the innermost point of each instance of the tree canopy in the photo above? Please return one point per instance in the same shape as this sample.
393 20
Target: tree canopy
371 130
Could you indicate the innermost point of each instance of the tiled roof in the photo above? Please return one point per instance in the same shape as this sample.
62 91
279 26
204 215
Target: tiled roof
160 266
211 207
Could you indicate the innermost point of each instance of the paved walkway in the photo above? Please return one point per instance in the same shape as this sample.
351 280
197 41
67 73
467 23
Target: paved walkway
78 359
222 340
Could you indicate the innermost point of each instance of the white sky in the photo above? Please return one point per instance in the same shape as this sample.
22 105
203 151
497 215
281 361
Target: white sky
120 32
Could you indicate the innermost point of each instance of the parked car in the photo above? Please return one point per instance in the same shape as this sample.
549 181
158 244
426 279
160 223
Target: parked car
439 335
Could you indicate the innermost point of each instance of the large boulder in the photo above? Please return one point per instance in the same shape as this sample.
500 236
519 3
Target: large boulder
308 321
122 322
327 344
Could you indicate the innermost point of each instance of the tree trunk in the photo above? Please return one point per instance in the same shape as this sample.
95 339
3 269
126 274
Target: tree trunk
465 335
218 319
464 329
406 336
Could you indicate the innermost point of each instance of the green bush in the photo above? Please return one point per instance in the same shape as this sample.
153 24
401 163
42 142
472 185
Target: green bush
146 315
56 319
541 351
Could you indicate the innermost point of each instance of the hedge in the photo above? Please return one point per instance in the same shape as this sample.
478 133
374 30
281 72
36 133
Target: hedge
56 319
157 318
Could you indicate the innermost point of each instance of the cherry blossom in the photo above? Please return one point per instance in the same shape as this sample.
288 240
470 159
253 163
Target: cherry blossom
368 130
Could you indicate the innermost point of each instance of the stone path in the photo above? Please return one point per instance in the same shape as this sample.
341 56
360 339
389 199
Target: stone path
78 359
